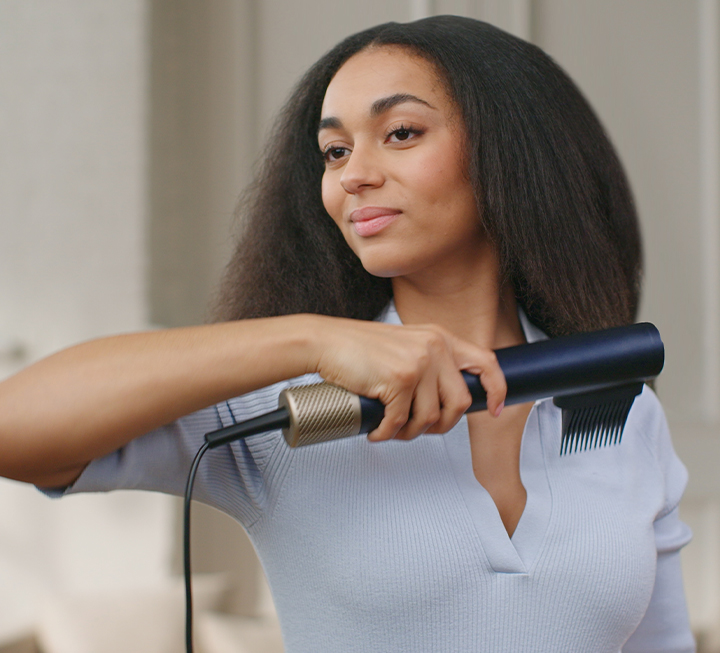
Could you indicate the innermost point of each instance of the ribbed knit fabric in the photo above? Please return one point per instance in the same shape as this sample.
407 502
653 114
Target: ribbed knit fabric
395 546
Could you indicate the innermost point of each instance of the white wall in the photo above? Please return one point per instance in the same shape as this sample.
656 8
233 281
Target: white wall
73 168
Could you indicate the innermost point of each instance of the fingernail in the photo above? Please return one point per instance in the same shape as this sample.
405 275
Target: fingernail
499 409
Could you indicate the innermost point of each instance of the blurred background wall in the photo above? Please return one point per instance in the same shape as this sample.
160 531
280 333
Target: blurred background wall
128 129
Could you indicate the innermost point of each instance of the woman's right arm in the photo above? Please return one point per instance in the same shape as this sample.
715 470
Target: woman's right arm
86 401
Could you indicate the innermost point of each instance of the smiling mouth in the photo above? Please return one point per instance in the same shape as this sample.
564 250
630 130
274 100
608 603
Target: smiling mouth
371 220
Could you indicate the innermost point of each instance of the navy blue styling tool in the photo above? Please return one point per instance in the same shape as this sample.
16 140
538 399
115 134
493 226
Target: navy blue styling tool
594 377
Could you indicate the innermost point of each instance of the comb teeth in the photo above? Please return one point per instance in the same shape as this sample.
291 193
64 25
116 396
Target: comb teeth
595 419
589 428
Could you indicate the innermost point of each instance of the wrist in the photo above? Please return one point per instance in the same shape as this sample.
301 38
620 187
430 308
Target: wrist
310 334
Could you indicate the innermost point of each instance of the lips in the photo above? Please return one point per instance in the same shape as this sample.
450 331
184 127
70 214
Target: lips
370 220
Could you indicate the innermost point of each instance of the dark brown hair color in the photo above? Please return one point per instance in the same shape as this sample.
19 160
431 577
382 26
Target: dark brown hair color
551 192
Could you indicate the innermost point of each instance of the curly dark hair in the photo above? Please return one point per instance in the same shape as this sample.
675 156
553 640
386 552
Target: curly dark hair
551 191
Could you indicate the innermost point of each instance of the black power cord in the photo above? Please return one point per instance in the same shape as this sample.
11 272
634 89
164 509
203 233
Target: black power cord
276 419
186 548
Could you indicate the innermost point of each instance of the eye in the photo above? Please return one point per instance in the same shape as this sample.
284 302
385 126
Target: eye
334 153
402 133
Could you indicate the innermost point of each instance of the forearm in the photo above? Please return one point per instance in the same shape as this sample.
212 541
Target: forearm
88 400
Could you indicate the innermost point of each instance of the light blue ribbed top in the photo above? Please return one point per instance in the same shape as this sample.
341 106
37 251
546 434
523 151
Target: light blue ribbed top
395 546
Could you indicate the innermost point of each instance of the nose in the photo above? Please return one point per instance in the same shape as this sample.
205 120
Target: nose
362 171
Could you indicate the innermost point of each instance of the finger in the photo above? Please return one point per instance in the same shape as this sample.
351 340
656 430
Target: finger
455 399
425 410
492 379
397 414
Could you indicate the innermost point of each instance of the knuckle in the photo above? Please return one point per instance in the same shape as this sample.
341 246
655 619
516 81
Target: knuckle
436 340
432 417
459 404
397 422
406 375
422 360
428 333
444 424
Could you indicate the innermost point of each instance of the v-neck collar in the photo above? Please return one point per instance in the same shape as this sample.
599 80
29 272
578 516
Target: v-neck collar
516 554
505 554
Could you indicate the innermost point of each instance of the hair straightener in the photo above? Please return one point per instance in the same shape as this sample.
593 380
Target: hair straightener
594 377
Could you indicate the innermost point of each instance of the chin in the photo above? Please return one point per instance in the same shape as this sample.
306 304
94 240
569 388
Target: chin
384 269
382 272
379 270
384 261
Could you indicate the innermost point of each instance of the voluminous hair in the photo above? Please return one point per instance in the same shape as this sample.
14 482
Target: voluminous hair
551 192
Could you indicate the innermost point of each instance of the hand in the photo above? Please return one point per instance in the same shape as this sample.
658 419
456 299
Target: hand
413 370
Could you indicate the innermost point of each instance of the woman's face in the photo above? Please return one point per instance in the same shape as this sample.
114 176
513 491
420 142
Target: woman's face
395 178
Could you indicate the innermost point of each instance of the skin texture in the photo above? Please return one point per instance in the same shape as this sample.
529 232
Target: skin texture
393 143
407 158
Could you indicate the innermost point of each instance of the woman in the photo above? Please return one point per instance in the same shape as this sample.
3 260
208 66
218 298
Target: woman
434 191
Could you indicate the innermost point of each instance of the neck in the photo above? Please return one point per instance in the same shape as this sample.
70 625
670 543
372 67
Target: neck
471 303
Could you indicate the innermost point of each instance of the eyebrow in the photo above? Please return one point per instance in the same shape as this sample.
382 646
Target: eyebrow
378 108
385 104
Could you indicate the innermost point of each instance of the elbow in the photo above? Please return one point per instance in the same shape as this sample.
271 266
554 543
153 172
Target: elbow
36 470
55 480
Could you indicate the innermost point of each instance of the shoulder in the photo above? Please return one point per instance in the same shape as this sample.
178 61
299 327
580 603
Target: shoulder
647 419
647 423
647 406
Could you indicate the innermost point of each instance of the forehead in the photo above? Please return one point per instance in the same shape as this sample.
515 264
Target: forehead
380 72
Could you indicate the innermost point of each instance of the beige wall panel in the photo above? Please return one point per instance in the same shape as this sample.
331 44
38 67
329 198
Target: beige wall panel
637 62
73 101
293 35
72 164
201 143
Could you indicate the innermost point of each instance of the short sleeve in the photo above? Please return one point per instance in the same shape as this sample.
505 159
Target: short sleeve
158 460
241 479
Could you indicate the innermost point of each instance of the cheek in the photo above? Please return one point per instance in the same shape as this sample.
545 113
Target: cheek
332 198
439 178
448 199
